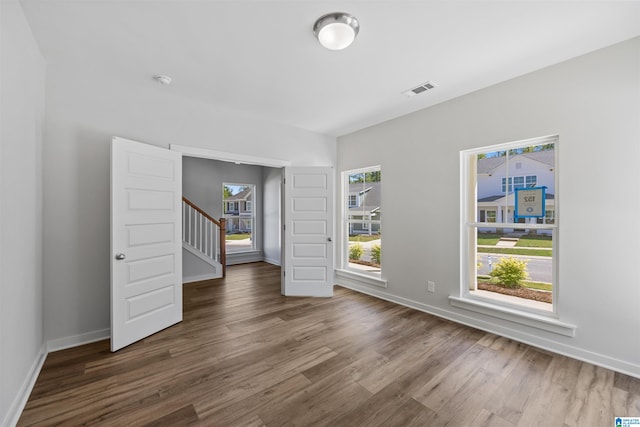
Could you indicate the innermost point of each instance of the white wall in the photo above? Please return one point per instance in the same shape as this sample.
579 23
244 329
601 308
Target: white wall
22 115
593 103
84 109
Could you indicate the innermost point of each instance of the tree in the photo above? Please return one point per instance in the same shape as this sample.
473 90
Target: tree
373 176
227 192
376 254
355 252
356 178
510 271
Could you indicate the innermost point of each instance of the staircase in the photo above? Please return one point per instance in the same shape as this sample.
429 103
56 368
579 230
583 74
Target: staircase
203 243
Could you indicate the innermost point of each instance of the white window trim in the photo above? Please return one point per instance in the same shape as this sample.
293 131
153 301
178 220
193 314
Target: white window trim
344 270
353 277
252 216
545 320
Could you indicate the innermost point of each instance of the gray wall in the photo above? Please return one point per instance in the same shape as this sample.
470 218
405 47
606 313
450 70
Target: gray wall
593 103
22 114
202 181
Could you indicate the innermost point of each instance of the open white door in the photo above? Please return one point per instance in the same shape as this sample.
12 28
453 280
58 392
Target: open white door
146 242
308 221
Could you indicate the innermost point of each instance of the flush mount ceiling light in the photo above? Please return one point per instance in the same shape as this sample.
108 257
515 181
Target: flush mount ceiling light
336 30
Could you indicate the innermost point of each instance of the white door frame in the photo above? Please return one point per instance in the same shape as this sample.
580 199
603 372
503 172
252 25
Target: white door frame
238 158
225 156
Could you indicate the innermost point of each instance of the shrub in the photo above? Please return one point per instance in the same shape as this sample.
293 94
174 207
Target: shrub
510 271
376 252
355 251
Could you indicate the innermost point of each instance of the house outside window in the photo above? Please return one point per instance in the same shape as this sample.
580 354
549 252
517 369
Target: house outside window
240 218
362 216
494 234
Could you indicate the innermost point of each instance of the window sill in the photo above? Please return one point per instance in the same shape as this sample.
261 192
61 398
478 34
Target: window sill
513 315
360 279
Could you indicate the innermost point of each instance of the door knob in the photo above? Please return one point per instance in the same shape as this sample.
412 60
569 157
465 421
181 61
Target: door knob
120 256
328 239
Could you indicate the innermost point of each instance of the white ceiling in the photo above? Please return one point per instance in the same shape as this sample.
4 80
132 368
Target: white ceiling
261 58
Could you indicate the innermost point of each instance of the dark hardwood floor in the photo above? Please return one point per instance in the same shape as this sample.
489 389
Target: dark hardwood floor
245 355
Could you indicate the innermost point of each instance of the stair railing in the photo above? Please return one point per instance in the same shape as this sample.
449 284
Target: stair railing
204 233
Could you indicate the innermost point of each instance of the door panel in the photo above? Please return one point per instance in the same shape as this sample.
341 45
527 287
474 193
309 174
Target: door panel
146 284
308 219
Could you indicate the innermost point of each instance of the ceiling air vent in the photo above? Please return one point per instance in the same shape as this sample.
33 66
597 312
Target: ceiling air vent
420 89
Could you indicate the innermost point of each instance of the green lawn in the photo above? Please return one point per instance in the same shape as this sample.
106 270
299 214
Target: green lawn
516 251
488 239
239 236
537 285
535 241
364 238
527 241
525 284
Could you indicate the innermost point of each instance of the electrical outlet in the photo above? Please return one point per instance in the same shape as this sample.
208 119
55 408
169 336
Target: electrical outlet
431 286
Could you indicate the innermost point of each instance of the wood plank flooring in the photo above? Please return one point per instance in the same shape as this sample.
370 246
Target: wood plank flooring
247 356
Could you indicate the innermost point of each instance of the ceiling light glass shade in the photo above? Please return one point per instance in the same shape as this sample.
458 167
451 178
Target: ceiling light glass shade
336 30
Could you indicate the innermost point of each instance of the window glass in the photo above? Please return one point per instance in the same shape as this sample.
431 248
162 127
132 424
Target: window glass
362 223
510 253
240 217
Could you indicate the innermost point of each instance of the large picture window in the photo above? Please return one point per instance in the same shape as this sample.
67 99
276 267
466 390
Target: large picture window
237 201
362 221
508 251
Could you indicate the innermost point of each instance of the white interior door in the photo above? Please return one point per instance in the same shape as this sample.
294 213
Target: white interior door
308 220
146 242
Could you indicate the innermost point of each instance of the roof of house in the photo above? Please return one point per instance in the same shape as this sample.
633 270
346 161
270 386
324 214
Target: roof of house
371 193
488 164
243 195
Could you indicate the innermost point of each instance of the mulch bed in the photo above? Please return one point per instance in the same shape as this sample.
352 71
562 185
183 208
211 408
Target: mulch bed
358 261
527 293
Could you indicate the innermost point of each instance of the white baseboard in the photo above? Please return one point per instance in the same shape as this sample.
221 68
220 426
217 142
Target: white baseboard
273 261
13 415
598 359
198 278
235 258
76 340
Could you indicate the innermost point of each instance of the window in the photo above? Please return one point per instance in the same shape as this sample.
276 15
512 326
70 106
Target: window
516 182
238 200
504 185
362 221
496 237
549 216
